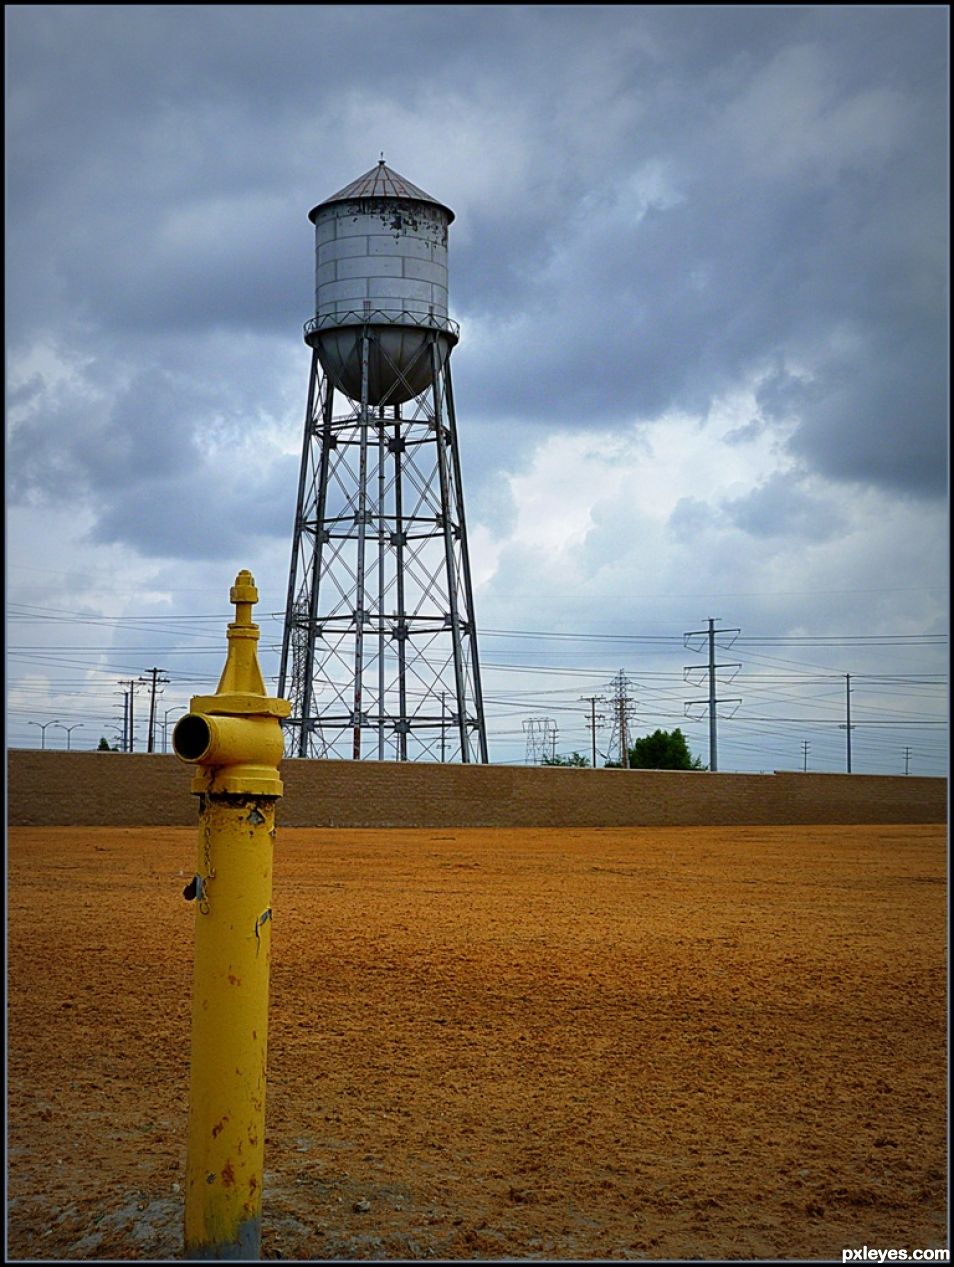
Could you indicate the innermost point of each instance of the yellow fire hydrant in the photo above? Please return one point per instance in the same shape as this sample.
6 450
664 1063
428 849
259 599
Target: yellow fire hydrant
234 739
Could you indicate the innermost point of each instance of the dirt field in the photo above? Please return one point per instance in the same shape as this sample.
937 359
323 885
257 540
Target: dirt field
615 1043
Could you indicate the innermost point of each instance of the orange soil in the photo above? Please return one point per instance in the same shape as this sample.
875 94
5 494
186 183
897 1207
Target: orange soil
609 1043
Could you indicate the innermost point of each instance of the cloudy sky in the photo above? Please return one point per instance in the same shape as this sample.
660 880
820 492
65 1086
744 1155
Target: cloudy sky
700 264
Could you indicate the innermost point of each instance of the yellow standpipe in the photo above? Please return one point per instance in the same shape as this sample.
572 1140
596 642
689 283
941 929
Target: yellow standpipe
234 739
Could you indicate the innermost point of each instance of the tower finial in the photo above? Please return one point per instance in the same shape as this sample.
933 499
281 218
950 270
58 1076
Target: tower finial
381 159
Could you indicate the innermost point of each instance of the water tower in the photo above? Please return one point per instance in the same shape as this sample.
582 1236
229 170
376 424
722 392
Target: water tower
379 653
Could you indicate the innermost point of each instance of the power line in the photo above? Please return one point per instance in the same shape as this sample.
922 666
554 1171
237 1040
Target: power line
64 615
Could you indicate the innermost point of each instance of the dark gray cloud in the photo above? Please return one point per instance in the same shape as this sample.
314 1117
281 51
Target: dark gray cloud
795 238
199 515
169 463
783 507
656 206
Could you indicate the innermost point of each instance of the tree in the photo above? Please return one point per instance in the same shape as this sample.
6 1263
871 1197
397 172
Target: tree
574 759
663 750
103 746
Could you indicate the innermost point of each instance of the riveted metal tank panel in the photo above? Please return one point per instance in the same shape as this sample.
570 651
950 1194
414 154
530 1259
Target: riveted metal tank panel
381 262
380 241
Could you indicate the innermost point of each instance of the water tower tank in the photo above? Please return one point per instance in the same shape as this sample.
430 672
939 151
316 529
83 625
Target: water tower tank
381 262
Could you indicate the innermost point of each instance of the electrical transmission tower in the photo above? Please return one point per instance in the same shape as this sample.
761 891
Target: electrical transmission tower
713 700
623 710
805 747
541 735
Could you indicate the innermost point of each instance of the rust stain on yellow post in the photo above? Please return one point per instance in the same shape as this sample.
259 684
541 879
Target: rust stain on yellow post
234 740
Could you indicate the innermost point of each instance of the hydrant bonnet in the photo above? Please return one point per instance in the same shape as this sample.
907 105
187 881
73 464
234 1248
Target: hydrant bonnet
234 736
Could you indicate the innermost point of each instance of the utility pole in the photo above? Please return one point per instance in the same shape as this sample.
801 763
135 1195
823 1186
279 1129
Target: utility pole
713 701
595 718
130 740
805 746
152 703
907 761
847 727
713 751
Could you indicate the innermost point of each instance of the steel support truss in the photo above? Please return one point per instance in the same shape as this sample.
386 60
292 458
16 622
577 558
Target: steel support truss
379 651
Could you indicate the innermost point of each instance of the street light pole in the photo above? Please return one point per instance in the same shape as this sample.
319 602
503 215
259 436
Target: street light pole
69 730
176 708
43 725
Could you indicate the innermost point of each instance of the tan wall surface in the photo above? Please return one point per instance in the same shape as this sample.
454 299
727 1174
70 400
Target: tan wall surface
94 789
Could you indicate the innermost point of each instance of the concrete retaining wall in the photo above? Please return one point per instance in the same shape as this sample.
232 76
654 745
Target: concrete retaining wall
93 789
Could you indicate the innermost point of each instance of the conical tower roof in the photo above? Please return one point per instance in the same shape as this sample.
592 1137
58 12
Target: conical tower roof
381 182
